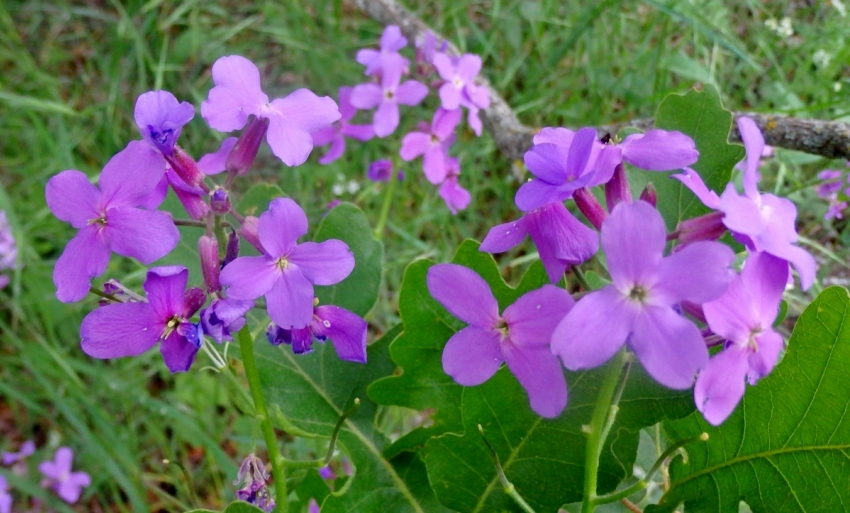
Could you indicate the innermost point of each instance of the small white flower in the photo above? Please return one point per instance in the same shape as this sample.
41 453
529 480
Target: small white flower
353 187
821 58
337 189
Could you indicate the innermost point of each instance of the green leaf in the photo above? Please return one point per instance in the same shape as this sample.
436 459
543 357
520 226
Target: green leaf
256 200
312 486
700 115
359 291
234 507
787 446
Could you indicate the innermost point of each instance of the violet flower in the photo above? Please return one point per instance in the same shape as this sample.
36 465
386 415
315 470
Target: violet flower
433 144
762 222
286 272
520 336
216 162
160 118
346 330
224 317
335 134
68 485
387 96
5 496
237 95
108 219
744 316
130 329
638 308
27 449
382 171
455 196
655 150
8 249
252 472
561 239
313 506
459 75
391 42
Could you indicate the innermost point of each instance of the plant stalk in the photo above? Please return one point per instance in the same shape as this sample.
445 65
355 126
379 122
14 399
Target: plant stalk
385 207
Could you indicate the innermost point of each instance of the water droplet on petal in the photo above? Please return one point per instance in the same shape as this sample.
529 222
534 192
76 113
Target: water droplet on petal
327 323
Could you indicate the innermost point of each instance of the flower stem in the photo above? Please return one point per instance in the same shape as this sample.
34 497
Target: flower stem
385 207
604 409
246 346
580 277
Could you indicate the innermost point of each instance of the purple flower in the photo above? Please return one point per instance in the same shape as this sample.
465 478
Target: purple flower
656 150
561 239
433 144
382 171
638 308
391 42
252 472
130 329
8 249
286 272
160 117
763 222
455 196
215 163
473 109
387 96
327 472
835 209
192 198
346 330
744 316
108 219
459 75
313 506
520 336
335 135
27 449
224 317
68 485
5 497
237 95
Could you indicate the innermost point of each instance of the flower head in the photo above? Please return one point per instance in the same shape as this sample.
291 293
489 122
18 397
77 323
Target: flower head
459 75
68 485
335 134
388 95
252 472
637 309
223 317
27 449
8 249
391 42
346 330
455 196
382 171
160 117
519 336
433 144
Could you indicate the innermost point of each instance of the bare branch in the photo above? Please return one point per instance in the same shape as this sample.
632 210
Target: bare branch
829 139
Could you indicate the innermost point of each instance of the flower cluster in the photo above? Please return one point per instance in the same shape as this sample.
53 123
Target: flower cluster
835 190
254 480
57 474
8 249
667 310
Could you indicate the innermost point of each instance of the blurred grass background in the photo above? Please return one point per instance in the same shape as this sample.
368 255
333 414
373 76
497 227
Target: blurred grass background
71 72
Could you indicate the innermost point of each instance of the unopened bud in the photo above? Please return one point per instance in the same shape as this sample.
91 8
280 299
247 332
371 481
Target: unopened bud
242 155
650 195
219 201
617 188
232 249
210 267
249 231
707 227
193 299
590 207
185 167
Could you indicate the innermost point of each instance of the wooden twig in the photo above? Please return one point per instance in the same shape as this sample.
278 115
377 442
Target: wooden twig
830 139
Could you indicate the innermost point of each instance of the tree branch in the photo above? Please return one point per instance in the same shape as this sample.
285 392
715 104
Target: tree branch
830 139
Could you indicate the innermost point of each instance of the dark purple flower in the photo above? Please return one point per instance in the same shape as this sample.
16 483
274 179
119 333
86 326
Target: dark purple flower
346 330
459 75
387 96
520 336
130 329
286 272
327 472
335 134
237 95
223 317
382 171
638 308
252 472
160 117
561 239
193 199
27 449
433 144
68 485
455 196
744 316
108 219
5 497
391 42
313 506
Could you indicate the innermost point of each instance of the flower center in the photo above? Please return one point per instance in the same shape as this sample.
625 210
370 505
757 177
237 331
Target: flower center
282 263
638 294
502 326
388 94
457 82
751 339
170 326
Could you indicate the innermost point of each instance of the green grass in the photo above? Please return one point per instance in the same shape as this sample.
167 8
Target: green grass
71 72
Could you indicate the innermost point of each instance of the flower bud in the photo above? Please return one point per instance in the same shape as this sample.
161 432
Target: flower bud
590 207
193 299
249 231
232 249
650 195
185 167
210 267
617 189
219 201
242 155
707 227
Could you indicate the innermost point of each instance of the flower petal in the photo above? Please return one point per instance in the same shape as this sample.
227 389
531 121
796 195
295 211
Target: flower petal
414 144
803 261
761 362
754 144
367 96
454 195
392 40
359 132
85 257
720 386
669 346
290 300
214 163
633 238
165 287
131 176
561 239
249 277
179 350
692 181
236 95
281 226
533 317
659 150
444 66
411 93
386 118
464 294
335 151
141 234
72 198
548 162
765 277
699 272
742 213
503 237
346 330
537 194
117 330
291 144
323 263
472 356
435 164
449 96
541 375
445 122
160 112
733 315
305 110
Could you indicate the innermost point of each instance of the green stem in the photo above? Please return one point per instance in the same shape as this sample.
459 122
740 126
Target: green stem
579 274
507 486
246 345
598 421
385 207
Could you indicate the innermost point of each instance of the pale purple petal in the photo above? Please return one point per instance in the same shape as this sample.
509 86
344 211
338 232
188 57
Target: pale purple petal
306 111
131 176
761 362
468 66
250 277
346 109
179 350
803 261
606 162
370 58
71 488
141 234
505 236
323 263
454 195
414 144
160 118
475 121
579 153
742 213
155 199
464 294
411 92
554 135
61 464
692 181
445 122
595 328
72 198
335 151
541 375
214 163
27 449
288 142
392 40
537 194
359 132
547 162
385 119
669 346
478 96
165 287
734 314
122 329
290 300
633 238
367 96
346 330
435 164
236 95
444 66
281 226
533 317
765 276
781 214
450 96
754 144
324 136
659 150
720 386
561 239
700 272
85 257
472 356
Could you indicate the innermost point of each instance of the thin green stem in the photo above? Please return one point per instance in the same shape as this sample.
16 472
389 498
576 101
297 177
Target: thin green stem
596 430
246 345
508 487
385 207
579 274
